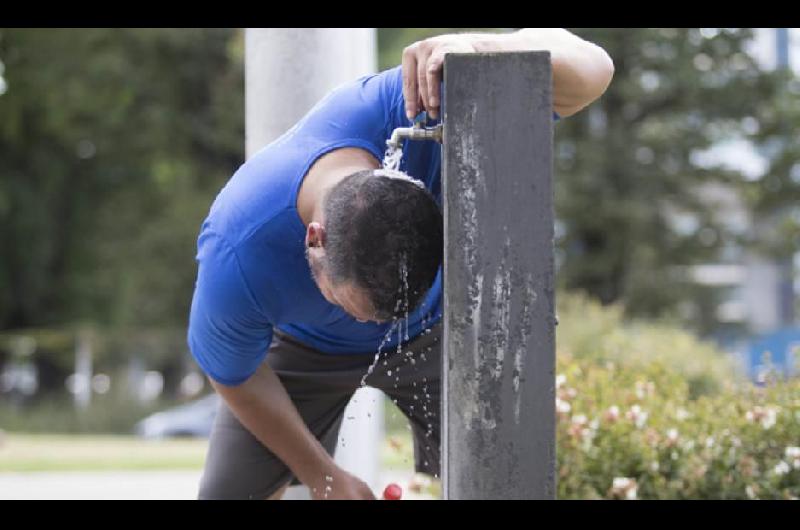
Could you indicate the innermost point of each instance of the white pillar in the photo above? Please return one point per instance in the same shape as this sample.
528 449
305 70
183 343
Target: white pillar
83 369
287 71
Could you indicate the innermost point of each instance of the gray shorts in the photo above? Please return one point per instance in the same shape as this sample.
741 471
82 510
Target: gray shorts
238 466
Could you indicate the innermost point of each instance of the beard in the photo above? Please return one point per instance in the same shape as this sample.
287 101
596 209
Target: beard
314 265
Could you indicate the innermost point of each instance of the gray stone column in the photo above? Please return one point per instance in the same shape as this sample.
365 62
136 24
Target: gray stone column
499 358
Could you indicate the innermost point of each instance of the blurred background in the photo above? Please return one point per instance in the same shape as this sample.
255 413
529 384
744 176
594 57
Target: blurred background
677 253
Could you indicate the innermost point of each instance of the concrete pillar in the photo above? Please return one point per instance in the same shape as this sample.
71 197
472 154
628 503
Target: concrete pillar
499 360
83 369
287 71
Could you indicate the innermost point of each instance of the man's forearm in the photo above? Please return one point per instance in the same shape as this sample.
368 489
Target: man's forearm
581 70
265 409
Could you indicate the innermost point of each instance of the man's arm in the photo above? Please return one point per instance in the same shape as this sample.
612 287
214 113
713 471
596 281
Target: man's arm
229 335
581 70
264 407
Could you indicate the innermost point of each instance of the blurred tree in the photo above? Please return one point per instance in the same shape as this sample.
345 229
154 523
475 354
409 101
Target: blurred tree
630 191
391 41
113 143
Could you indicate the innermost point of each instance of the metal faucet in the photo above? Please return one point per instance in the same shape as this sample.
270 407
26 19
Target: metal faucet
417 132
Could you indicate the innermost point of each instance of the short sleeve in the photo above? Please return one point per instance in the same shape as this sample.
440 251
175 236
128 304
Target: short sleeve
229 334
358 110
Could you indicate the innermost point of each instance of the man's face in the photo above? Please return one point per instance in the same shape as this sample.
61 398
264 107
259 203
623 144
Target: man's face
353 300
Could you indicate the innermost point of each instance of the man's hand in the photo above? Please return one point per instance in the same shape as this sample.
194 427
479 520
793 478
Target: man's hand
422 71
340 485
582 70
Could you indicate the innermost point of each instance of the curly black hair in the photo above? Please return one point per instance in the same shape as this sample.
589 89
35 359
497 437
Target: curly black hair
385 234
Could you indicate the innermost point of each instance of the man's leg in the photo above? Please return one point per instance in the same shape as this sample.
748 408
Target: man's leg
238 465
412 379
278 494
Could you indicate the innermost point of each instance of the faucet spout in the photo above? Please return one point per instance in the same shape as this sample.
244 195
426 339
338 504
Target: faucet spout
417 132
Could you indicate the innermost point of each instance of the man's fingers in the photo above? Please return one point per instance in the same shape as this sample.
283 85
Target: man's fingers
423 53
410 93
433 72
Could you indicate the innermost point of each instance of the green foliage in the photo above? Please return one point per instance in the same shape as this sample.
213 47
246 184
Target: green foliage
626 165
590 332
113 143
648 412
114 414
391 41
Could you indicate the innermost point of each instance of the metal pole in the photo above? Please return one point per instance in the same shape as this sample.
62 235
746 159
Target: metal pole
499 359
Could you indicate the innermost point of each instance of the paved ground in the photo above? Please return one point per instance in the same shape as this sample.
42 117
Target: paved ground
114 485
103 485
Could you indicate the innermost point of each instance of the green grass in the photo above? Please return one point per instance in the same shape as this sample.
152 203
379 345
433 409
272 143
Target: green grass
41 452
27 452
397 450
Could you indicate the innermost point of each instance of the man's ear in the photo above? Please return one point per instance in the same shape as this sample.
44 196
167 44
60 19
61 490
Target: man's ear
315 235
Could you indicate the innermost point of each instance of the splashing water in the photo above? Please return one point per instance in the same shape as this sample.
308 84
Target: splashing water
404 277
386 338
391 160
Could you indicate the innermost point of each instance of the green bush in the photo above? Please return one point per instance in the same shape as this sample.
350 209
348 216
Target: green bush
589 331
649 412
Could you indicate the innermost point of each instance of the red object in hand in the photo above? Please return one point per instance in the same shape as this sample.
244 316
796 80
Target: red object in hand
393 492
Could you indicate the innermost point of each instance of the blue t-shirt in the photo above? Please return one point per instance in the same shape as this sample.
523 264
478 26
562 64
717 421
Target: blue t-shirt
253 275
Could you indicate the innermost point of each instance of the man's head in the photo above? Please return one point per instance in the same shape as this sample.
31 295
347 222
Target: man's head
379 246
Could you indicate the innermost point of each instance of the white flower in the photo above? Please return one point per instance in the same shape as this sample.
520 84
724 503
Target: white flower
681 414
710 442
782 468
563 406
624 486
764 415
637 416
751 494
579 419
672 435
769 419
654 466
612 414
793 454
560 380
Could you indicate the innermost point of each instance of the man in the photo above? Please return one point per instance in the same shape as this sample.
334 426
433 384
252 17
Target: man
319 271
